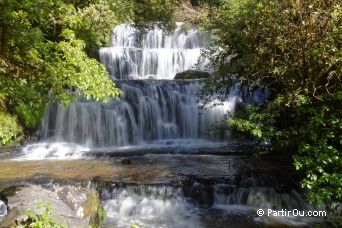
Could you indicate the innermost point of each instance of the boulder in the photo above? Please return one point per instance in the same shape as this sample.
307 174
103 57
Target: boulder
85 202
74 207
191 74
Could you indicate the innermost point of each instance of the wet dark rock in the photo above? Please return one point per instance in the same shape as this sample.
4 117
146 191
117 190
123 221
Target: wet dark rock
216 218
126 161
202 193
8 152
192 74
3 199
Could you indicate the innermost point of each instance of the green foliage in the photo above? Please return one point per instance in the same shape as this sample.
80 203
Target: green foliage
48 50
135 225
41 220
209 2
9 128
30 115
293 50
151 13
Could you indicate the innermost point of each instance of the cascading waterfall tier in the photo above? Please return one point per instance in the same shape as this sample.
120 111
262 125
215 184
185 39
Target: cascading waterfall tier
179 205
148 110
154 55
149 206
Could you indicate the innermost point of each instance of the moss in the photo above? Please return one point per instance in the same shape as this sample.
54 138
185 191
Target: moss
90 204
101 212
93 207
30 116
97 218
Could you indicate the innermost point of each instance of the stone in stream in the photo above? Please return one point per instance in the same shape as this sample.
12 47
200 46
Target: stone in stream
192 74
126 161
74 207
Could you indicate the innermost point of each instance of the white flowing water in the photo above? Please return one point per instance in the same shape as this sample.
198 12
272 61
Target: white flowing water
150 206
154 55
147 111
167 206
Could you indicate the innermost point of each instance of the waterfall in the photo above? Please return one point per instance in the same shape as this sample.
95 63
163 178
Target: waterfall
258 197
155 205
163 181
153 111
154 55
148 110
149 206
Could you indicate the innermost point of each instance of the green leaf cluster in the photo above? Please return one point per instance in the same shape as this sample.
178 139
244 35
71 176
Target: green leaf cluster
151 13
42 53
10 130
292 49
41 220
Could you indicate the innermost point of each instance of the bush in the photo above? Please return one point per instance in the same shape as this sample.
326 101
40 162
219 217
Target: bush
10 130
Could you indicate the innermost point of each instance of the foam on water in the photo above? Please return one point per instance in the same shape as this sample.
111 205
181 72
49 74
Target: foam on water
65 150
150 207
52 151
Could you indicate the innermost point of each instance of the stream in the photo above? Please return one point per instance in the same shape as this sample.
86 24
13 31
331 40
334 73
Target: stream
214 188
149 154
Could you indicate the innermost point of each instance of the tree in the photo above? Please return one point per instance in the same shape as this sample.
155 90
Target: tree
48 50
292 49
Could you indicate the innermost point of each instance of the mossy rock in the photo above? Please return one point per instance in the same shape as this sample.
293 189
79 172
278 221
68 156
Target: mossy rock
93 208
85 202
191 74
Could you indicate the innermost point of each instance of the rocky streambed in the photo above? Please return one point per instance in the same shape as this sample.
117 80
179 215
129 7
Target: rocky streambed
219 187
